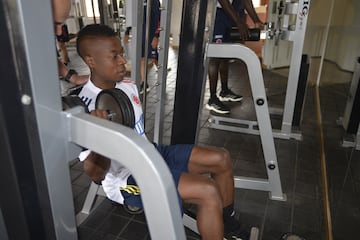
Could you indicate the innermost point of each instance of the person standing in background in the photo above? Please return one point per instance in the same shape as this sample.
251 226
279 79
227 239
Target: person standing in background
227 16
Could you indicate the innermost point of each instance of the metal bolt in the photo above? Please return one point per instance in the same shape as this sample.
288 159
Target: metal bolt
26 99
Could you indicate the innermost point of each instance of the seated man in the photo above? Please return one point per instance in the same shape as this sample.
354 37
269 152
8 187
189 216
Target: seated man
203 175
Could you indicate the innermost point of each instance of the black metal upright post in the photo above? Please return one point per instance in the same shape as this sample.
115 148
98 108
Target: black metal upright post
190 72
301 91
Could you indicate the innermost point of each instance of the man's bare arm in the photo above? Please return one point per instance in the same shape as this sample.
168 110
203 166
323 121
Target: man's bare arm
96 166
249 7
240 23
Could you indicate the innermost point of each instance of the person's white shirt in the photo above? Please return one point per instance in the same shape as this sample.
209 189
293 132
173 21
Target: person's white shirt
117 175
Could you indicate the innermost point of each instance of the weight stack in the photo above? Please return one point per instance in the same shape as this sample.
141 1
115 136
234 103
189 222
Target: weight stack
352 110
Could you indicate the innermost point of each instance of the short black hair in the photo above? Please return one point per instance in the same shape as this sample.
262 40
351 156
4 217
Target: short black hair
93 31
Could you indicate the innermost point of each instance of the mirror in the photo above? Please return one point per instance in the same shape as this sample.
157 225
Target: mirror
337 66
332 41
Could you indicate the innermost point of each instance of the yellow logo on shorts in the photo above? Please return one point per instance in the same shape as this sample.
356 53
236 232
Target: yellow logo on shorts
131 189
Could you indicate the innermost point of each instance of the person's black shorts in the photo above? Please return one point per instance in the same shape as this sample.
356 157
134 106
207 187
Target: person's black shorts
224 24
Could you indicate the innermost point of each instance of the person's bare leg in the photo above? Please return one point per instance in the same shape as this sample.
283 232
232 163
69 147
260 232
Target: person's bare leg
204 193
218 163
213 71
224 73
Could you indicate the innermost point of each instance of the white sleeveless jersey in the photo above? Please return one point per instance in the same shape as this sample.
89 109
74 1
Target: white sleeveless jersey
117 175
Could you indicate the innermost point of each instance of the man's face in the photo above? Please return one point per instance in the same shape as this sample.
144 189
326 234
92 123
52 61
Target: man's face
108 62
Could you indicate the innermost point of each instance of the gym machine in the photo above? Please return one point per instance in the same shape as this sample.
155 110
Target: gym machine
273 183
112 14
284 29
262 127
133 18
350 120
95 190
189 220
32 77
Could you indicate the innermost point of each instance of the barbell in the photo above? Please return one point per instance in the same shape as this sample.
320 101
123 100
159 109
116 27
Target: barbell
114 101
120 110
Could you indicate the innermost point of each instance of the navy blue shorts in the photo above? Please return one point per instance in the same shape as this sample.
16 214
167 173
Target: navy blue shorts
222 27
177 159
224 24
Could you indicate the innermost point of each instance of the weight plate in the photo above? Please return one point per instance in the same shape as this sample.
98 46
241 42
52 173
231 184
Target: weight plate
118 105
73 101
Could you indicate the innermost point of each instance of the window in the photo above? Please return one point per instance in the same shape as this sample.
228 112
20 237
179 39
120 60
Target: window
89 8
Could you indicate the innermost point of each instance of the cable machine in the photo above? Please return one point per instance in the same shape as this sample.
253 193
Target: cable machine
273 185
51 138
290 26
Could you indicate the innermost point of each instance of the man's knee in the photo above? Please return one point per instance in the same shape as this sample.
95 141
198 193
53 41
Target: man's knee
210 195
224 159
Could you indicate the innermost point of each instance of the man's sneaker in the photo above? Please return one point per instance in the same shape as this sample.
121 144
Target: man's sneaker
142 88
233 230
215 105
237 235
228 95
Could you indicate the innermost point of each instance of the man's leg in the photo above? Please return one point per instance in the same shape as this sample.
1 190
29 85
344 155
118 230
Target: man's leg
213 70
224 73
226 94
218 163
214 103
203 192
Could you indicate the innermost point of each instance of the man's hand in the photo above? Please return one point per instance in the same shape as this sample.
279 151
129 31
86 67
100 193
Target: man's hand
240 23
96 167
100 113
243 30
259 25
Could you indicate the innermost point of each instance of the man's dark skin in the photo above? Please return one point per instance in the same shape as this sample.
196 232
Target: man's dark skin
221 65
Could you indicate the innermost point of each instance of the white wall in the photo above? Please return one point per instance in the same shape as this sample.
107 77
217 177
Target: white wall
176 13
343 42
344 35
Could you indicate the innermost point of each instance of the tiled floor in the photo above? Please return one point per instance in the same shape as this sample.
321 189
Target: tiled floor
299 165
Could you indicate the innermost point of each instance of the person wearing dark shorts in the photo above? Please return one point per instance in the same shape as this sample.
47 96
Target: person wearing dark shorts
203 175
224 23
176 157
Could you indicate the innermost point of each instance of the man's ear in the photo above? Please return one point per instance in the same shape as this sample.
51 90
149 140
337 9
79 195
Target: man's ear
89 61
